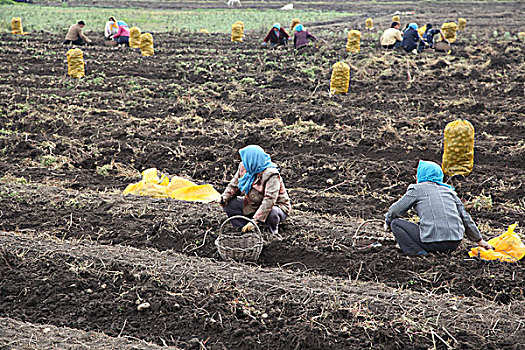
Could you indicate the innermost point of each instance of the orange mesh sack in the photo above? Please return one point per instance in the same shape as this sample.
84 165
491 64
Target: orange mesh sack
458 155
508 247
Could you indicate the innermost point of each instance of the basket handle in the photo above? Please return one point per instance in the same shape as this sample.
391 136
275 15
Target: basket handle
240 217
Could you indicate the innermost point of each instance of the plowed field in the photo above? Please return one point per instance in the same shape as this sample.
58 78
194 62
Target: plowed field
77 255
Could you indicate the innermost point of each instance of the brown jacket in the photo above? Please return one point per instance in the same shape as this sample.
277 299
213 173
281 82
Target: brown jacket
75 32
267 190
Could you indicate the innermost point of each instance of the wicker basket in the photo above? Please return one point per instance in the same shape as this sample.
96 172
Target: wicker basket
240 246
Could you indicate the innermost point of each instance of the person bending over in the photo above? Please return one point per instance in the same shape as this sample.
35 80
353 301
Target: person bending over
392 37
277 36
75 35
256 191
442 217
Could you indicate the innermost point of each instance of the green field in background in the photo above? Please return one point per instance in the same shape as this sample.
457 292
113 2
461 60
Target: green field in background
50 19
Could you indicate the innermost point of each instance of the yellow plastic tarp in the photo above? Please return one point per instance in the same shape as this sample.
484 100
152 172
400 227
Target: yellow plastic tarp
153 185
508 247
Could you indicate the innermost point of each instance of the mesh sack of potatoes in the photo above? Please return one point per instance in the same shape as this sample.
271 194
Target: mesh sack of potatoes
462 23
396 18
340 78
458 154
134 34
353 43
146 44
75 63
295 22
16 26
369 23
449 31
237 32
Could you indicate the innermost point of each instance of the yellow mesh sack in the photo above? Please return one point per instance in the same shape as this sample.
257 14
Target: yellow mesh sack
369 23
340 78
295 22
422 30
396 18
146 44
156 185
449 31
353 43
508 247
16 26
205 31
237 32
75 63
458 155
521 36
462 23
134 34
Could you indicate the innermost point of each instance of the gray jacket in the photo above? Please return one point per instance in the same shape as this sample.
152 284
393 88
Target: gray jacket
442 216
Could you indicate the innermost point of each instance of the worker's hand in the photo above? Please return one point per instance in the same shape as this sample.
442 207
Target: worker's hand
222 202
264 43
248 227
484 244
386 227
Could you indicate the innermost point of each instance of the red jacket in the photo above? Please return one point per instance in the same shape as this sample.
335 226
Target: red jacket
272 37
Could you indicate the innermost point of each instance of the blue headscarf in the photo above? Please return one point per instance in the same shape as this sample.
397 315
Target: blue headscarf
254 160
277 25
430 171
299 28
413 26
122 23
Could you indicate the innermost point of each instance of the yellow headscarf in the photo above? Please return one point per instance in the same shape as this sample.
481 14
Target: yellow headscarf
114 25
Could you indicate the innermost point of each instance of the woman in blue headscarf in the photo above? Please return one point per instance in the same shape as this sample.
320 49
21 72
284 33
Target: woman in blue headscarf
412 41
442 217
257 190
276 36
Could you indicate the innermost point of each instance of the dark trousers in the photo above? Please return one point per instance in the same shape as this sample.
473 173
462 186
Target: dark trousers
418 46
395 45
234 207
282 41
123 40
79 41
409 240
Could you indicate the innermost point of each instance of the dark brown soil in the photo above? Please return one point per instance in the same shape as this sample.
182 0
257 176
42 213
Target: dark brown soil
68 148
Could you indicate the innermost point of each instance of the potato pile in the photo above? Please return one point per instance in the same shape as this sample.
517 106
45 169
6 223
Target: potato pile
16 26
75 63
458 155
353 44
449 31
462 23
134 34
369 23
340 78
295 22
146 44
237 32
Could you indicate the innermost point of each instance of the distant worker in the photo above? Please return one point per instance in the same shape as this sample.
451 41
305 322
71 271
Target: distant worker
122 36
442 217
431 35
75 35
412 41
277 36
257 191
392 37
111 28
301 36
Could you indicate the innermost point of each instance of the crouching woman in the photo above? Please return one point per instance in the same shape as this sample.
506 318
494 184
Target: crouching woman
442 217
256 191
